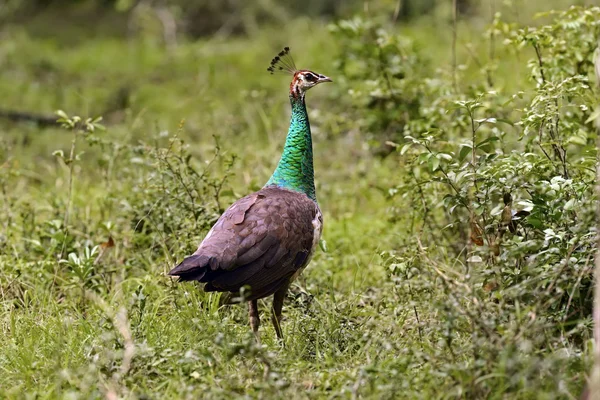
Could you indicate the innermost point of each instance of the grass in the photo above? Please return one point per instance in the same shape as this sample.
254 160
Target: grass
184 344
126 330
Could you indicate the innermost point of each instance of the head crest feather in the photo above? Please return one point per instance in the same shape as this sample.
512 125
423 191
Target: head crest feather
283 62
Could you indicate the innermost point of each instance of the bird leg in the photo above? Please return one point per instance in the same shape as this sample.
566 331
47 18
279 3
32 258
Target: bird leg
278 298
254 318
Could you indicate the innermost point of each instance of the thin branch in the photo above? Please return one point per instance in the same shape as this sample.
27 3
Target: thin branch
69 195
538 53
492 50
454 29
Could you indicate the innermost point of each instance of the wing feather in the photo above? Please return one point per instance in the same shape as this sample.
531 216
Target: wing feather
260 241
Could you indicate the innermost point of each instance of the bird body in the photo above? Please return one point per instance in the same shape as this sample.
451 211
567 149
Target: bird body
263 241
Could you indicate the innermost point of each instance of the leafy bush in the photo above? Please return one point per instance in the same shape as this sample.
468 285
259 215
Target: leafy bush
383 71
497 189
161 205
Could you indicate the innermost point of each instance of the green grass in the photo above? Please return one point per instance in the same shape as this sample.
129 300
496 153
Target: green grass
60 343
132 331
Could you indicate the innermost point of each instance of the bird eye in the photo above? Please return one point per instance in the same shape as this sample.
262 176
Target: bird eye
310 77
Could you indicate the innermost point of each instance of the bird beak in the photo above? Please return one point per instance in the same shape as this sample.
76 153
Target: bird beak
323 78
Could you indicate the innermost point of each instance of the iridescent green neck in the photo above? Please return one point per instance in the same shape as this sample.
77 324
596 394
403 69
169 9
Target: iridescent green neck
295 169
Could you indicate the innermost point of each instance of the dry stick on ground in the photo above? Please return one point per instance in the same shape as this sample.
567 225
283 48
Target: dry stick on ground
22 116
119 101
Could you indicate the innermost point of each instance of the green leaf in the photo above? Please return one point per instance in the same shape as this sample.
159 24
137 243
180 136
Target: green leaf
405 148
434 163
506 121
487 141
323 245
594 116
579 138
486 120
62 114
569 205
464 150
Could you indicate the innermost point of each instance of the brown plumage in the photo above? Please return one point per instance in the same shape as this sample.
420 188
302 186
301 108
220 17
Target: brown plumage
261 242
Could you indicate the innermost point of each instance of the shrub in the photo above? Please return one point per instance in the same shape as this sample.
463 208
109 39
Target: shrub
497 189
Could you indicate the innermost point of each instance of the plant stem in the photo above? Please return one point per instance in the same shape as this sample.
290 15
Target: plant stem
454 29
538 53
69 195
492 49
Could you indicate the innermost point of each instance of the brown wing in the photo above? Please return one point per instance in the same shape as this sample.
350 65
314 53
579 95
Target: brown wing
260 241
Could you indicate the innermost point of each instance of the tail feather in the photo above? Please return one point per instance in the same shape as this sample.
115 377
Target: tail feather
192 268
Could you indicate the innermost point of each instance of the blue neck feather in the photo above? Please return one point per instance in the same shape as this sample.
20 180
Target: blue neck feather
295 168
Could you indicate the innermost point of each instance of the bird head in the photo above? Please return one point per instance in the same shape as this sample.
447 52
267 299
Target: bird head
302 80
305 79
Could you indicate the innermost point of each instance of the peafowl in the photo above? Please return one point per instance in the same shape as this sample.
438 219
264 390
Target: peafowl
263 241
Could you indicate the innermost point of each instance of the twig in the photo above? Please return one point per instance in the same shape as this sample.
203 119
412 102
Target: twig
397 11
540 143
492 52
538 53
69 194
586 269
454 28
561 153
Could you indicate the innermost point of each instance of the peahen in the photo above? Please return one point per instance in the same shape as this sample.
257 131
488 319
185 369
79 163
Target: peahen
264 240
